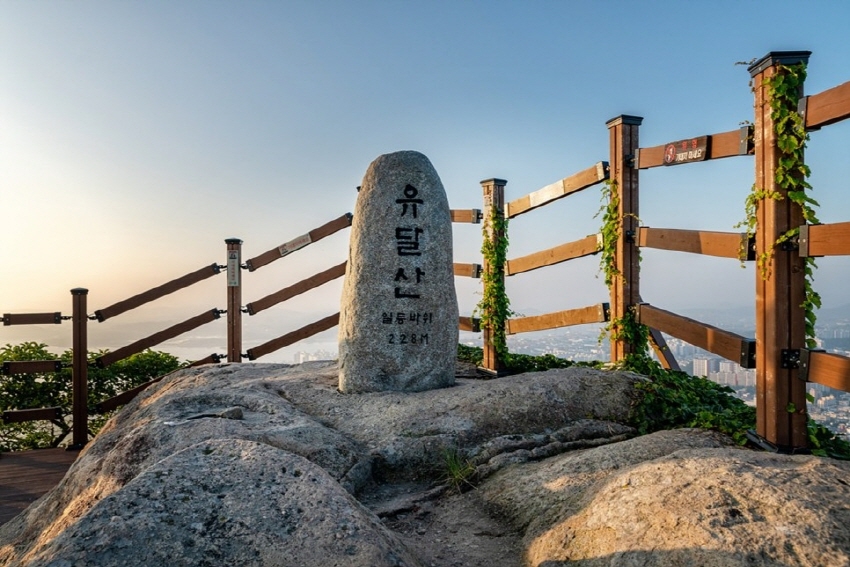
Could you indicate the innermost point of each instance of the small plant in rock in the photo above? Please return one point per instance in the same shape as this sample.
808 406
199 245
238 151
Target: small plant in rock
459 473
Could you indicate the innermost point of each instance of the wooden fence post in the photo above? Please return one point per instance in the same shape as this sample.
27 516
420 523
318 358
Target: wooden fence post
625 287
494 198
80 369
234 300
780 318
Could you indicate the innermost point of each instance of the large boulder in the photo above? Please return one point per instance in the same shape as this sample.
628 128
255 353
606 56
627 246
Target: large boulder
296 414
682 497
225 502
270 465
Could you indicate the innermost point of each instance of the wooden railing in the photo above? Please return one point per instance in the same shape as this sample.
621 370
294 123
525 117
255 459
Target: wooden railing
778 353
232 269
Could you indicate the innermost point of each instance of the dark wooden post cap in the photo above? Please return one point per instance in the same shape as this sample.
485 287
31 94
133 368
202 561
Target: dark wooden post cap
626 119
778 58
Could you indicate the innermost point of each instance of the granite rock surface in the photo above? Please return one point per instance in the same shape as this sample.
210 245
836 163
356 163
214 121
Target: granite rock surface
398 326
264 464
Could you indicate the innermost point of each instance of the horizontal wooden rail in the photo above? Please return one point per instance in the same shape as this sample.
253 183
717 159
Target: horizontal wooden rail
124 398
307 331
19 416
592 314
723 343
156 338
472 324
30 366
32 318
829 369
157 292
296 244
727 144
561 253
211 359
472 216
722 244
825 239
573 184
296 289
467 270
827 107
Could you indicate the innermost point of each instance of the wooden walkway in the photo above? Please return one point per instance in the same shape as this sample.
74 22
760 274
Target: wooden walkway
28 475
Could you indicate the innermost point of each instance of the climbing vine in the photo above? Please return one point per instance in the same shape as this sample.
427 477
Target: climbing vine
495 307
625 328
791 176
610 212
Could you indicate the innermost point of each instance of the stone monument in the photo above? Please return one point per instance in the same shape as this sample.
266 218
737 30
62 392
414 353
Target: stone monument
398 326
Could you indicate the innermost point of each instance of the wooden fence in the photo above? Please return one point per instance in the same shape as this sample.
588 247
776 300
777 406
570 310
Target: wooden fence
233 270
783 364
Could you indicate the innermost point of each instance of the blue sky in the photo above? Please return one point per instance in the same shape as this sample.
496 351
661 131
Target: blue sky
136 136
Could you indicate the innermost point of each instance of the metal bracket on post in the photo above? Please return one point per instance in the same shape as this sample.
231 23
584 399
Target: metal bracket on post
745 140
790 245
805 363
748 354
803 241
630 236
751 248
789 358
632 160
802 108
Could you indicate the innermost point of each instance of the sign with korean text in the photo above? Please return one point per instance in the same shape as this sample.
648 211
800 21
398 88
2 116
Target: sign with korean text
686 151
294 244
398 317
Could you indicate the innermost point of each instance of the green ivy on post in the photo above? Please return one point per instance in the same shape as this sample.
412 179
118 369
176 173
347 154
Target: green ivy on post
494 307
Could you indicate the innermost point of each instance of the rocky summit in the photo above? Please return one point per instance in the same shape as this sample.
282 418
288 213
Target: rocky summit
270 465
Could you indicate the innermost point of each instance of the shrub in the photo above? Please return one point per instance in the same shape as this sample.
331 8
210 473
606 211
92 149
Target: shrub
54 389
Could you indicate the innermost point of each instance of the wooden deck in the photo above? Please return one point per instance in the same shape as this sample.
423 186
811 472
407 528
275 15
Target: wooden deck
28 475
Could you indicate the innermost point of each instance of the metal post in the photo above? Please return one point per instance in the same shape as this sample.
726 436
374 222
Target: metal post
234 300
780 292
79 320
494 198
625 287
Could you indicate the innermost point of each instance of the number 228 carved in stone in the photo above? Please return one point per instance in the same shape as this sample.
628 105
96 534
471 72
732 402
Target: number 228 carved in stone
398 316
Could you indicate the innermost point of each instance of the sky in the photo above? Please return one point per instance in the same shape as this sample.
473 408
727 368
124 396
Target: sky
135 137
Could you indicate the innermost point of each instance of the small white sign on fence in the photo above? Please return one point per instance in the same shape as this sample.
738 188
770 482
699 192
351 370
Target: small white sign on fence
295 244
232 268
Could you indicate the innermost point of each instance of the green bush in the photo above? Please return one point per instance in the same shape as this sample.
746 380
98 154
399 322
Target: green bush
54 389
673 399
